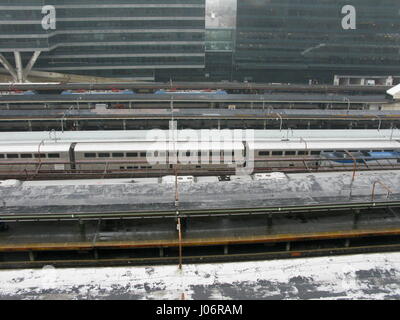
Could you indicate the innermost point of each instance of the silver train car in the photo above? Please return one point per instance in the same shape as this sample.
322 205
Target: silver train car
131 155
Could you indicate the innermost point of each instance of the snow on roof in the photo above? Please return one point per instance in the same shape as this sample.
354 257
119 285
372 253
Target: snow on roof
394 91
156 146
150 135
325 145
34 148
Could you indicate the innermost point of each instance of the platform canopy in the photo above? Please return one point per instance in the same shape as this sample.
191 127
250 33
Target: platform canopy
394 92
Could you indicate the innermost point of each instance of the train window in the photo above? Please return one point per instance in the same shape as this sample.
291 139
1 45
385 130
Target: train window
54 155
388 150
122 168
104 155
290 153
118 155
1 156
143 154
40 155
263 153
315 153
277 153
302 153
12 156
26 156
90 155
129 168
132 154
376 150
328 151
188 154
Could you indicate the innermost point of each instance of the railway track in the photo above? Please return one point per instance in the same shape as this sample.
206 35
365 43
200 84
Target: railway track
30 175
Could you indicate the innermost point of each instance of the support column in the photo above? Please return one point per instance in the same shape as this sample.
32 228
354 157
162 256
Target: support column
19 74
356 218
8 67
226 250
30 64
31 256
82 230
18 67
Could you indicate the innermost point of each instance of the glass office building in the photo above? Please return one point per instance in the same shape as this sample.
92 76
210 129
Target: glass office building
298 40
137 39
195 40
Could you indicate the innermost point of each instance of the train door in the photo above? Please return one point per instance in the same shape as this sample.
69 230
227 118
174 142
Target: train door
72 159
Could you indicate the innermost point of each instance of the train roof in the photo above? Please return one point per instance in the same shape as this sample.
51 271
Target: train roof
156 146
34 148
325 145
148 135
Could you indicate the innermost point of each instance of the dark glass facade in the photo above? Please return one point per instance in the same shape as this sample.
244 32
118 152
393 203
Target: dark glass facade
263 40
297 40
127 38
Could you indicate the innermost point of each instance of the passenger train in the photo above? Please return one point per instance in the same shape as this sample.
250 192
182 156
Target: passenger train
106 153
17 93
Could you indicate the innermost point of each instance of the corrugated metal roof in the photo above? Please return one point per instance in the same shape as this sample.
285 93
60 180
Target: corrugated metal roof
156 146
34 148
325 145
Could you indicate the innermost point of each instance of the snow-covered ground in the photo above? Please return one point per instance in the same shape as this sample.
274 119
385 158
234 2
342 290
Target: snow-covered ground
372 276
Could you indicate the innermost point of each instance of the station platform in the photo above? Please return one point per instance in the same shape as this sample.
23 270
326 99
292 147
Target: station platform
12 245
229 98
192 114
150 197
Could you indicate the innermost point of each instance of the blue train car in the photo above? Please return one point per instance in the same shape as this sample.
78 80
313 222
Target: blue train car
343 157
18 93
